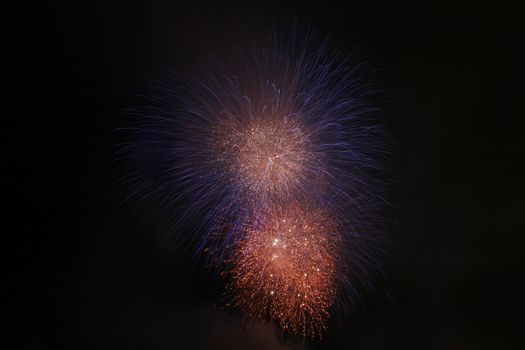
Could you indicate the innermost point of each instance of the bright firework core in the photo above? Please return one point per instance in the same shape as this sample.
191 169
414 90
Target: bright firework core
270 156
285 268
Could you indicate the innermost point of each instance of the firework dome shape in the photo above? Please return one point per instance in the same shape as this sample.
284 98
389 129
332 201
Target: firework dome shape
274 160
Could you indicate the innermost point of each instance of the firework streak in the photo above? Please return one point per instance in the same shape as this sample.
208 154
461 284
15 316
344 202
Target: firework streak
275 161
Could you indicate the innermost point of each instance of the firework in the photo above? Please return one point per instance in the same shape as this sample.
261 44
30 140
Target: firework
285 268
273 163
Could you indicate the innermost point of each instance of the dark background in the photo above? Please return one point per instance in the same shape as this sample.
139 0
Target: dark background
78 274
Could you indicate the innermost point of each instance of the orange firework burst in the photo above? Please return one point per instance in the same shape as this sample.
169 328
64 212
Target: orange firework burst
285 269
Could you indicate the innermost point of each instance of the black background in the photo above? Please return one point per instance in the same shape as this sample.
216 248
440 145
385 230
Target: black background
79 275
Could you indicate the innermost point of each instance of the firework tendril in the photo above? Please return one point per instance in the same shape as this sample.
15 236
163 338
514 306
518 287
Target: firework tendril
275 161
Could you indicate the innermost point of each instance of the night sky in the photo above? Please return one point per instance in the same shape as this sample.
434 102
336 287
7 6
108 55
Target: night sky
81 272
